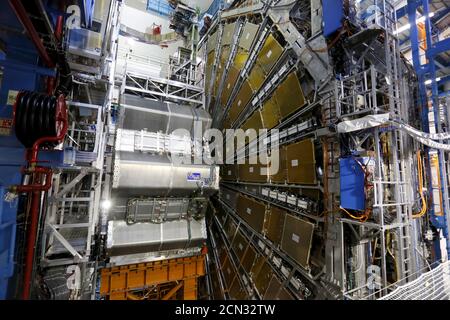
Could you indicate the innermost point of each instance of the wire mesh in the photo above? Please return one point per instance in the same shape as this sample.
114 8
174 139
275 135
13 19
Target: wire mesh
433 285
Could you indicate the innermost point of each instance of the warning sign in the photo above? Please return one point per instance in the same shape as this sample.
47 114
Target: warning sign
5 127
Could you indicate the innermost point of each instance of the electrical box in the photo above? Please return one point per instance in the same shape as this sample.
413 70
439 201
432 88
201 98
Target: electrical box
333 13
352 179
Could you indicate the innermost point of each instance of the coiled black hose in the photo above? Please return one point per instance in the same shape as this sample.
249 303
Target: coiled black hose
35 118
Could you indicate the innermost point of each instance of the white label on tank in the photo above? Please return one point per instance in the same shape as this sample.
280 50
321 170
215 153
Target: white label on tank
247 36
295 238
251 169
269 54
249 211
12 95
294 163
239 103
229 85
229 172
241 247
228 196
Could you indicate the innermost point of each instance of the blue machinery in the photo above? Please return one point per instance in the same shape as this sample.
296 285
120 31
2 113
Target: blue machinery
20 71
429 100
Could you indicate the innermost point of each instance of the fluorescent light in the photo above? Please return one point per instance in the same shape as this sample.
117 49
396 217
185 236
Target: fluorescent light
408 25
106 205
430 81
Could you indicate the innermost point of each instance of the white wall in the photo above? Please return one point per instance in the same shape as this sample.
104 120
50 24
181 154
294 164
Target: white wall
135 16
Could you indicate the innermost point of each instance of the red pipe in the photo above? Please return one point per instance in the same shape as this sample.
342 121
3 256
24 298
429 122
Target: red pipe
50 85
59 28
39 186
28 25
31 241
36 188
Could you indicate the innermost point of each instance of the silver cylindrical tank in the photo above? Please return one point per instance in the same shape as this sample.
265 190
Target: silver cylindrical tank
140 174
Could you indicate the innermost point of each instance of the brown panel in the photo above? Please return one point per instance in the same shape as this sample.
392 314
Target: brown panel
281 175
275 224
242 99
236 291
297 238
228 273
230 229
239 245
252 173
276 291
228 32
262 279
217 291
248 259
221 214
240 59
232 76
301 162
259 262
209 69
227 123
223 60
252 211
270 114
253 122
289 95
212 42
273 289
212 103
269 54
229 197
223 255
248 35
284 295
256 77
229 172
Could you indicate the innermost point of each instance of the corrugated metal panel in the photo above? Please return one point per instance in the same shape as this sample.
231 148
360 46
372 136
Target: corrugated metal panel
230 172
248 35
252 211
253 122
248 259
236 291
289 95
281 175
269 54
301 162
297 239
228 273
275 225
270 114
232 77
239 245
253 173
242 99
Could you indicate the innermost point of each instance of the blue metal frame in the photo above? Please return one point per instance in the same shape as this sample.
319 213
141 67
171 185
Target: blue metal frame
424 72
215 6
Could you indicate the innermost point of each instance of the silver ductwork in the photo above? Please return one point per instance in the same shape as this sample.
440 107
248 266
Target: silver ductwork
124 239
145 114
